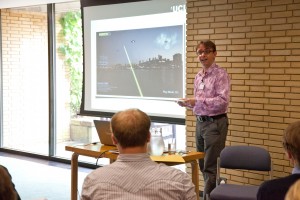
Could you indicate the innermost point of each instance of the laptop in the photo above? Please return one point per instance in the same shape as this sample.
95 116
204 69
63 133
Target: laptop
104 133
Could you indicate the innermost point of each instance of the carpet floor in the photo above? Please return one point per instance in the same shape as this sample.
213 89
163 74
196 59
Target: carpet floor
41 181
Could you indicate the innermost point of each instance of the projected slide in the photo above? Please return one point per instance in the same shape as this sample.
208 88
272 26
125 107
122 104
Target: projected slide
140 63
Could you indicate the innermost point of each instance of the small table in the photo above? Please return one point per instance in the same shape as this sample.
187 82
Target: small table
103 151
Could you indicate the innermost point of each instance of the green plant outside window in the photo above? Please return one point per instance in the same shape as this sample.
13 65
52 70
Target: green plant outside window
71 50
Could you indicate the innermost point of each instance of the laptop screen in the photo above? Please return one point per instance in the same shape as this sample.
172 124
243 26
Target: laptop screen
104 132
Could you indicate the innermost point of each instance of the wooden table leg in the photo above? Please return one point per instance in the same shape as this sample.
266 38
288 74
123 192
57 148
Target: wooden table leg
74 176
195 177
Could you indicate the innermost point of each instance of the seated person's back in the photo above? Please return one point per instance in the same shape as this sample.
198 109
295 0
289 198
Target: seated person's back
134 176
276 189
138 177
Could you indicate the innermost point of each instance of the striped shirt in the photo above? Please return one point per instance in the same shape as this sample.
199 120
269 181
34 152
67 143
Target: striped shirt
137 177
211 90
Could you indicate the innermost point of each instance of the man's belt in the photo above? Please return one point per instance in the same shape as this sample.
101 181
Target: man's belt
210 118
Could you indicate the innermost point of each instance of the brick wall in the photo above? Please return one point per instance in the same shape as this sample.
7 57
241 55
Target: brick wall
258 43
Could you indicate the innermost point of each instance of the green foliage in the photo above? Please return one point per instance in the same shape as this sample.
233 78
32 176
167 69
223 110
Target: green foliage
71 50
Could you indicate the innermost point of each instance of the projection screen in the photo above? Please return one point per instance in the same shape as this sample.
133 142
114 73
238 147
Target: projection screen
134 57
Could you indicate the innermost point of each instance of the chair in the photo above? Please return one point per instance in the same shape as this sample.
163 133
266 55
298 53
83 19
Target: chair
243 158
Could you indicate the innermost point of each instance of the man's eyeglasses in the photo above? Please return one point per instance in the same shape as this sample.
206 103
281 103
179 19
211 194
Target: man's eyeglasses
205 52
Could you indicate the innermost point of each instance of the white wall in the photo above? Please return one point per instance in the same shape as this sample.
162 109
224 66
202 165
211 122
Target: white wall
21 3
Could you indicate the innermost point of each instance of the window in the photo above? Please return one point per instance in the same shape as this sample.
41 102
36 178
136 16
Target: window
25 79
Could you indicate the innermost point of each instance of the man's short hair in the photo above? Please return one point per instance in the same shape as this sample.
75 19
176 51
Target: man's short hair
131 127
291 140
208 44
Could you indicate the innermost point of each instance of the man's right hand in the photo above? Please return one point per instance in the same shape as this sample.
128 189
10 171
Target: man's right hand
181 102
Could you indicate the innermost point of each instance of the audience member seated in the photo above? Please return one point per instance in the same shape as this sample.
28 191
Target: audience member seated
7 187
294 192
276 189
134 175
